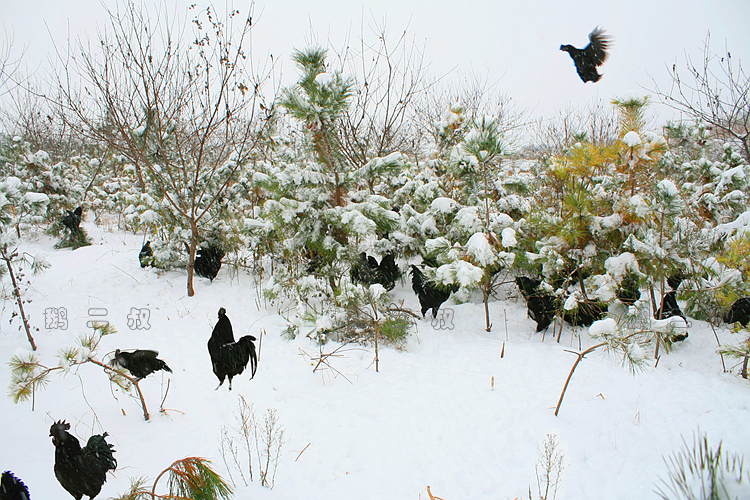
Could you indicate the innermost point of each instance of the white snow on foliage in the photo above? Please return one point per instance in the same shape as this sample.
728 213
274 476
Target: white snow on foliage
149 216
508 237
668 188
603 327
358 222
639 205
479 248
738 226
444 205
631 139
619 265
36 198
323 79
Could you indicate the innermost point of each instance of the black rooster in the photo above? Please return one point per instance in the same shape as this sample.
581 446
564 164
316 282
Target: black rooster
388 271
12 488
72 220
146 255
367 271
208 261
669 306
593 55
141 362
363 271
230 358
431 296
81 471
739 312
540 305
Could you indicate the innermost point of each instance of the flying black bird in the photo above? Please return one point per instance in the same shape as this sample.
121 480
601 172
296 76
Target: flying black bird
593 55
81 471
230 358
72 220
141 362
12 488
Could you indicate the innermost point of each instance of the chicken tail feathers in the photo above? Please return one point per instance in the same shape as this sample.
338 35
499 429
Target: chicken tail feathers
98 448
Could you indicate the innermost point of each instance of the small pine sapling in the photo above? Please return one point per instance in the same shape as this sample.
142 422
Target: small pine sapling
190 478
28 374
701 472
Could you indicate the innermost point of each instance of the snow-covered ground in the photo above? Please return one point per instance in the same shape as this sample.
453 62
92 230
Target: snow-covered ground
431 417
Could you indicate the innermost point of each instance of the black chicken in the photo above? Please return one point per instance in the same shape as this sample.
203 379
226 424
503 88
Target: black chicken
12 488
629 291
363 271
669 306
81 471
431 295
540 305
367 271
208 261
230 358
72 220
146 255
593 55
388 271
739 312
141 362
586 313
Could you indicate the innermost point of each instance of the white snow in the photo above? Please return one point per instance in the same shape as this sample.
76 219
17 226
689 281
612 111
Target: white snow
631 139
444 205
149 216
738 226
323 79
668 188
446 411
480 249
508 238
36 198
603 327
620 264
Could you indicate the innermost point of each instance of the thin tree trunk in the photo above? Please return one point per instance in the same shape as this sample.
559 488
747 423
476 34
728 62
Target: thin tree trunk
191 257
19 300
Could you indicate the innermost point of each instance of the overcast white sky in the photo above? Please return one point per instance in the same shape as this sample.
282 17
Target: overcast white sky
514 43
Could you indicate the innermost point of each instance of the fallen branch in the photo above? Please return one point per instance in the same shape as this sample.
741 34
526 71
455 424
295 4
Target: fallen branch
570 375
301 452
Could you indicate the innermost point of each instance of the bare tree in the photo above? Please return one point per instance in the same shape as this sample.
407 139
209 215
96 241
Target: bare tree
715 91
181 104
8 65
596 123
390 75
477 98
